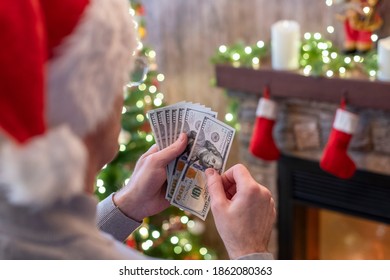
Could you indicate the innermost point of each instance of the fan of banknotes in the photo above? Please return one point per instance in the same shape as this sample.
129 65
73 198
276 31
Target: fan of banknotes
209 143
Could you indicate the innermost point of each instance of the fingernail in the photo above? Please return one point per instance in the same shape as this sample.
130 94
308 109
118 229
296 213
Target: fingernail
210 172
182 137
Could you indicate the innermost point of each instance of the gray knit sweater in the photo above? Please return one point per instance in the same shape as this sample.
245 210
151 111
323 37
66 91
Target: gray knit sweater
69 230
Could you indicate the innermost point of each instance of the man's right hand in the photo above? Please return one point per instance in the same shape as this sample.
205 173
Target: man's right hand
243 210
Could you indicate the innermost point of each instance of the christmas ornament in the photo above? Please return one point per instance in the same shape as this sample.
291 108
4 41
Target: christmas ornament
262 144
335 159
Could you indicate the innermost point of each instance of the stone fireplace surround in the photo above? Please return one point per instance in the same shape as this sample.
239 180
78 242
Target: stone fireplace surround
306 108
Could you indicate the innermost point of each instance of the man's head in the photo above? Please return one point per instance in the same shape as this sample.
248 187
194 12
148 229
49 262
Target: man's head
64 67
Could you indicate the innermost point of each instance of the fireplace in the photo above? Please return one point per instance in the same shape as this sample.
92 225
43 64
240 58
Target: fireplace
306 194
318 213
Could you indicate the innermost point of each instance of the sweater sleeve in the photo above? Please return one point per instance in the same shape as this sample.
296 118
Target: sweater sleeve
110 219
257 256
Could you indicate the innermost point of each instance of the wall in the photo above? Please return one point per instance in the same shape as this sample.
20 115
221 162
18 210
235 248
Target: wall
185 34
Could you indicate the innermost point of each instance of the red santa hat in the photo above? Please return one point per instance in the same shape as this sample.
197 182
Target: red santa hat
62 65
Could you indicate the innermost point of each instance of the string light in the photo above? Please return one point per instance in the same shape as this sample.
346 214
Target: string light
152 89
148 99
140 118
307 70
317 36
330 29
177 250
143 231
142 87
183 241
99 183
248 50
184 219
329 3
190 224
240 54
188 247
229 117
260 44
255 63
329 73
156 234
151 54
357 58
203 251
165 226
124 110
149 138
122 147
160 77
147 245
157 102
366 10
160 95
174 240
326 59
236 56
139 104
102 189
222 49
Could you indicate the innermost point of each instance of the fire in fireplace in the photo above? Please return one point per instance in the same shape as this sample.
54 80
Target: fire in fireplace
324 217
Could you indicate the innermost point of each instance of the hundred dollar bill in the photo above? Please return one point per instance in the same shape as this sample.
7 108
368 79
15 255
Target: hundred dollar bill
160 114
193 118
176 126
210 149
155 128
172 121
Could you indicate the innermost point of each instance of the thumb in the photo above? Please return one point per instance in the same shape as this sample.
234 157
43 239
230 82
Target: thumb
171 152
215 188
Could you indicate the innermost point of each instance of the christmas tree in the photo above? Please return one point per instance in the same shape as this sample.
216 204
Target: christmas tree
172 234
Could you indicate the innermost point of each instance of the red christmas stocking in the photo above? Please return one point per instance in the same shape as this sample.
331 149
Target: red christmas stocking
335 159
262 144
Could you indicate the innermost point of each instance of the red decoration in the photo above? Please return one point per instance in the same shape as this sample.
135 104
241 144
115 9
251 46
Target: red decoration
262 144
335 159
131 242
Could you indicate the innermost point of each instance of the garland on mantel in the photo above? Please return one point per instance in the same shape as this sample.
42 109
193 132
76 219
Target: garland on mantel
318 57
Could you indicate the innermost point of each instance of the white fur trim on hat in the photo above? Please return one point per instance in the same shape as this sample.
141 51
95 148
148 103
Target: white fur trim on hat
345 121
266 108
91 66
46 169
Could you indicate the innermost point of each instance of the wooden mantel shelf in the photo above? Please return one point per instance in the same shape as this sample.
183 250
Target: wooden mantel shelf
360 93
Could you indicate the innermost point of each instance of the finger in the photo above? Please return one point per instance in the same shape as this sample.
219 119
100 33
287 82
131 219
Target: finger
151 150
239 176
215 188
171 152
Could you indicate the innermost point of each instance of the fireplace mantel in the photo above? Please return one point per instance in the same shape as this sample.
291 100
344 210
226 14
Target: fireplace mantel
361 92
306 108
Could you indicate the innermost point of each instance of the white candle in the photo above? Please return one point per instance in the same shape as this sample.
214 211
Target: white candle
384 59
285 41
